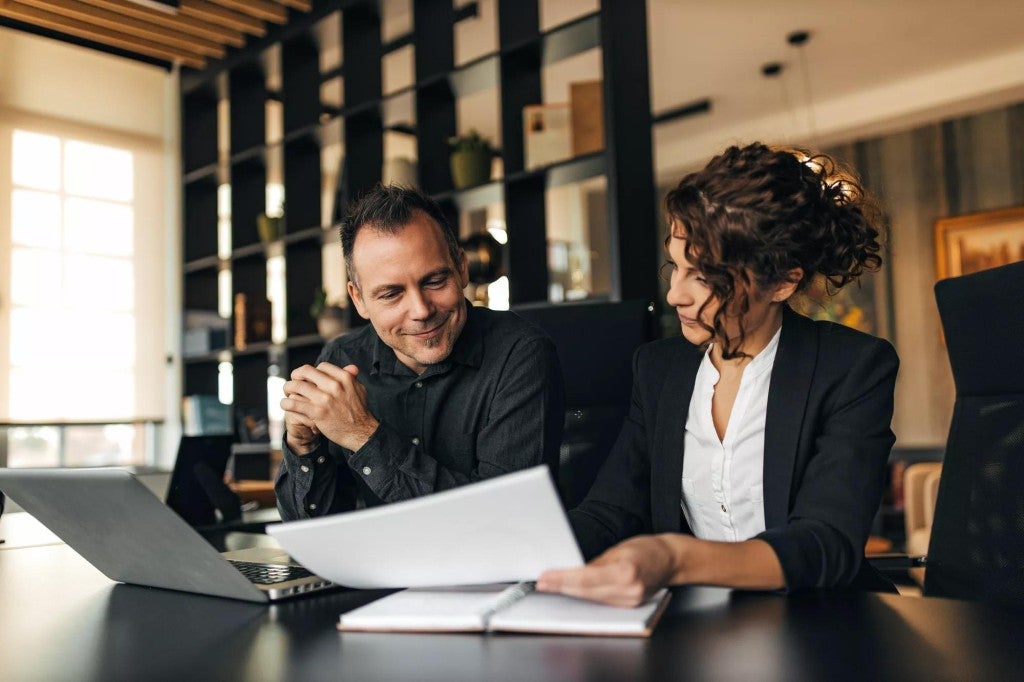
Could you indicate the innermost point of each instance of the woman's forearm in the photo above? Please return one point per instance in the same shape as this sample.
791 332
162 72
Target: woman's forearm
750 565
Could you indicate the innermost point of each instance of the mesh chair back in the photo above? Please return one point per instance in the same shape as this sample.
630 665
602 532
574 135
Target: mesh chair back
977 542
595 343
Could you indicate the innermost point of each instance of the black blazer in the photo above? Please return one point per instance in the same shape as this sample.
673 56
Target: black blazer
827 442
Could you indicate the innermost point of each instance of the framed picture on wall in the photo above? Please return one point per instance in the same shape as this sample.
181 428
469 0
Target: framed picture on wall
969 243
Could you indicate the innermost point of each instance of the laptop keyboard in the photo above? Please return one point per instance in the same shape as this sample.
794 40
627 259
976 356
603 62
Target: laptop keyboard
270 574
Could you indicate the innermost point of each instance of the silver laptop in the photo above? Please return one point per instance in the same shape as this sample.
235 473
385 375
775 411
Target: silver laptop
120 527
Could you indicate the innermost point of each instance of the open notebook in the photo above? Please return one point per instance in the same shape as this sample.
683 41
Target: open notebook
502 608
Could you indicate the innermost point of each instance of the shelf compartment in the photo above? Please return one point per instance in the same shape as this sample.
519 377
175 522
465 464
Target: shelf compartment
563 172
199 129
248 199
200 221
473 198
303 275
248 91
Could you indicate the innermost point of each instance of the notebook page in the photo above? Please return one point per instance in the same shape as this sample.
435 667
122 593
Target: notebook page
463 608
556 613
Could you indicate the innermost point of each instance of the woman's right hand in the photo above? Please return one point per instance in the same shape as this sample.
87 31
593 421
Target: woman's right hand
625 575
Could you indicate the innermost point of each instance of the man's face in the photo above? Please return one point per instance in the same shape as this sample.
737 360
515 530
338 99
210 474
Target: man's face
409 289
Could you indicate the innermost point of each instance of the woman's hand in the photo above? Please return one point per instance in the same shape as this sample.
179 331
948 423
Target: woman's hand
633 570
625 575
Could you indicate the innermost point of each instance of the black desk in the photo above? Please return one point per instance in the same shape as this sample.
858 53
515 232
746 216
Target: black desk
60 619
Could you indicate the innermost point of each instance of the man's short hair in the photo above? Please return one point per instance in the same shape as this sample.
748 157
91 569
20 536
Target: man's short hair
387 209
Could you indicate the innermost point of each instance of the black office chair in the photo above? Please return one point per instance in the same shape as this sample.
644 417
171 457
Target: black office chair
197 491
976 550
595 343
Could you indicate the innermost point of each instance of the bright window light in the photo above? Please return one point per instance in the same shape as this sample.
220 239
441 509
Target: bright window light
35 218
94 283
35 277
97 171
36 160
72 278
99 227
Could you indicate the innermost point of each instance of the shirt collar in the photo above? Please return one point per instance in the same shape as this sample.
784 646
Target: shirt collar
468 349
759 364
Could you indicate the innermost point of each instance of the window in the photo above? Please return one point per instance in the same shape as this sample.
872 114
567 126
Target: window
72 323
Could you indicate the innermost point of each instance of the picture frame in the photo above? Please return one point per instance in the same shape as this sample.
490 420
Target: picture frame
978 241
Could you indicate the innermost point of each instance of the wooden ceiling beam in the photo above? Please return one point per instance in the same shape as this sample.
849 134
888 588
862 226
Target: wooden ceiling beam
87 14
189 25
301 5
221 16
98 34
260 9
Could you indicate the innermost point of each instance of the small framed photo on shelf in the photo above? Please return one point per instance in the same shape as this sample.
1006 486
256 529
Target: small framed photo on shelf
546 134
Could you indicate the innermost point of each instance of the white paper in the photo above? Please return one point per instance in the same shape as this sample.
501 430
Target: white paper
504 529
556 613
446 609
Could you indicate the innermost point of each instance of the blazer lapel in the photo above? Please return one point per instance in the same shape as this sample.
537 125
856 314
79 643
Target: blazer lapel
667 458
790 385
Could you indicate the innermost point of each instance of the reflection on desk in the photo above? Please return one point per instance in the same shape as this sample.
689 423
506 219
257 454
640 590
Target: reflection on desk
64 620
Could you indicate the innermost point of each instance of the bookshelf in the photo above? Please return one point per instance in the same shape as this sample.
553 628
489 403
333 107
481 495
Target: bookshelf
304 110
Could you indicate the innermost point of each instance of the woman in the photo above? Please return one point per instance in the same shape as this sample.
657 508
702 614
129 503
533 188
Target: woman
754 452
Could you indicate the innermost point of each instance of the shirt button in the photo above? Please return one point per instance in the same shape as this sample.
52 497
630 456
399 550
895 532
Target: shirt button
415 441
321 459
312 506
304 468
367 471
723 507
419 384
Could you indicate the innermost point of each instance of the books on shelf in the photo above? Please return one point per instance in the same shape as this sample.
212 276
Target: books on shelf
205 415
252 321
204 332
586 104
502 608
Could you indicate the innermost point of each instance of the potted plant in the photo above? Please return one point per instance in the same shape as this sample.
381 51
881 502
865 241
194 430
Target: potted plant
268 227
330 317
470 159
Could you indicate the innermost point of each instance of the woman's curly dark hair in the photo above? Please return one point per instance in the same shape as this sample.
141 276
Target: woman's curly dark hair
755 213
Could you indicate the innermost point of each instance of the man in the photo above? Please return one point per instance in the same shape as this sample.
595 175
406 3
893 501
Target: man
432 394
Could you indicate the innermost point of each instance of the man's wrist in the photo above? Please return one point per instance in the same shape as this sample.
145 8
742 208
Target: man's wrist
303 449
360 437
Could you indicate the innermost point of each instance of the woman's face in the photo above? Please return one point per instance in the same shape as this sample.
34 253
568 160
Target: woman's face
688 292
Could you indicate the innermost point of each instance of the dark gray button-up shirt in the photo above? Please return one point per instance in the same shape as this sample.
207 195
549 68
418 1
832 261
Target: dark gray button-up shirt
495 405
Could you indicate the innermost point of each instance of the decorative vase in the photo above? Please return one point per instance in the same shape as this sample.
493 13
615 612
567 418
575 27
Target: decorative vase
470 167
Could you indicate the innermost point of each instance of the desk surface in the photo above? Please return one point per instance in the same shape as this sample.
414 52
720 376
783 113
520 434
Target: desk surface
62 619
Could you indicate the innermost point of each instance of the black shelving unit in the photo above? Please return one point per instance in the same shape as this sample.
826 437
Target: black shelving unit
514 70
